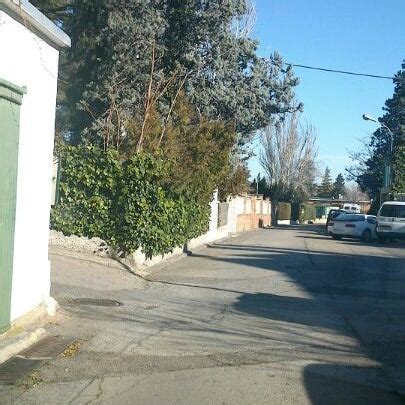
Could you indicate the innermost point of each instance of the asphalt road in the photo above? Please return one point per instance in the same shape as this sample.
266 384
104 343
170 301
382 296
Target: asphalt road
279 316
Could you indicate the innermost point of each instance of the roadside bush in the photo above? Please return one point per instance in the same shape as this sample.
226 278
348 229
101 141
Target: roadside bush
295 211
284 211
125 202
307 212
149 214
88 184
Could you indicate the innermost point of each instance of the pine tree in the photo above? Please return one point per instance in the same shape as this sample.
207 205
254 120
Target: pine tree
369 173
83 21
339 186
326 187
106 72
259 185
131 62
395 120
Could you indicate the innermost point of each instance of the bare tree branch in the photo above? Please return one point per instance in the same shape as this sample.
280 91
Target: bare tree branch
244 25
148 100
171 109
288 157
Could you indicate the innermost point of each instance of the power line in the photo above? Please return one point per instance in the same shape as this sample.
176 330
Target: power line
339 71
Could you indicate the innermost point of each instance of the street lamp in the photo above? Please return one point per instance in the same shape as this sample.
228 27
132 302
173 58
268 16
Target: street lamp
388 179
368 117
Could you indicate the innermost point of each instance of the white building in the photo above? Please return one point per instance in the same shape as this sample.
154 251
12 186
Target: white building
29 53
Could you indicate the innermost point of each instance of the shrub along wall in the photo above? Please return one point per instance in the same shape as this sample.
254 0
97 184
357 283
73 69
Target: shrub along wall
307 212
125 202
284 211
295 211
303 212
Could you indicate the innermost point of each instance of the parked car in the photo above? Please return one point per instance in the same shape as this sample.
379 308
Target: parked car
391 221
352 208
358 226
333 213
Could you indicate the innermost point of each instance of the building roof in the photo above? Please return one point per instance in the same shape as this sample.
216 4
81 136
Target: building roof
336 200
394 202
24 12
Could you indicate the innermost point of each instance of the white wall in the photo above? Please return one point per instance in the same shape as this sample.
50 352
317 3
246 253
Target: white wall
258 206
236 207
240 205
26 60
266 207
248 205
214 212
232 214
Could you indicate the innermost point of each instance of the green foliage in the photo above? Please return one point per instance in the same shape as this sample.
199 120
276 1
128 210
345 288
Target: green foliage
131 66
307 212
259 185
295 211
235 179
83 20
284 211
398 167
106 74
339 186
394 118
369 171
88 185
149 214
303 212
326 187
201 152
125 202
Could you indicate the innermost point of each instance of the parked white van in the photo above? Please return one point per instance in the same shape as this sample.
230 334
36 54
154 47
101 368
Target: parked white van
352 208
391 221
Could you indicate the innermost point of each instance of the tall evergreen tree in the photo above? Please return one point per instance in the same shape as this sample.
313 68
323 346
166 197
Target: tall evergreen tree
83 20
109 77
259 185
369 172
131 62
326 187
394 118
339 186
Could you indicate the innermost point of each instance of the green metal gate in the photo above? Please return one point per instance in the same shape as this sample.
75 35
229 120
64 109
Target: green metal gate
10 101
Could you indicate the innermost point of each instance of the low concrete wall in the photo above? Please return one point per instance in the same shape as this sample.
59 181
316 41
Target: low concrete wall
285 222
244 213
81 244
140 263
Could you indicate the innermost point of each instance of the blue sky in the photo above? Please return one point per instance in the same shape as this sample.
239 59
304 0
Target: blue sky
356 35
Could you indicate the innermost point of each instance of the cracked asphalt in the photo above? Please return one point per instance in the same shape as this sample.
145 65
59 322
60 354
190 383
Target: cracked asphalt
271 316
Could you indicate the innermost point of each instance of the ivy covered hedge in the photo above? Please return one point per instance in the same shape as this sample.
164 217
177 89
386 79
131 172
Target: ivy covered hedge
303 212
126 202
307 212
283 211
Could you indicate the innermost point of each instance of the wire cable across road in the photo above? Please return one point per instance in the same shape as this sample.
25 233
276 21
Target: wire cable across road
340 71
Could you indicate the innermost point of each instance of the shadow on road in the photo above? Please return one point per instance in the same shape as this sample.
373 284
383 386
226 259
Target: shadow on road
336 384
330 309
303 228
367 291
